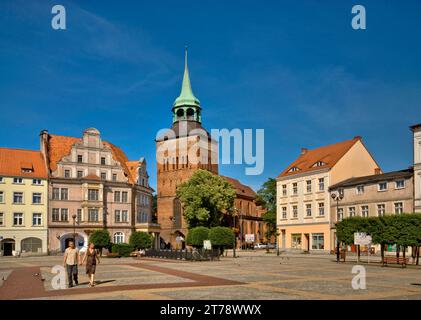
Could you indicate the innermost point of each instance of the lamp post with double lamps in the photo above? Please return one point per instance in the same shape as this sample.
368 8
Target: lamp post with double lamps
337 197
74 229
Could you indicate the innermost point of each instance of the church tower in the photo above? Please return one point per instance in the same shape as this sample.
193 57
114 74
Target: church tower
181 150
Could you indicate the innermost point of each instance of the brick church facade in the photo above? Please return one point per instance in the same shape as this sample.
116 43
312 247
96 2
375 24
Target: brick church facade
181 150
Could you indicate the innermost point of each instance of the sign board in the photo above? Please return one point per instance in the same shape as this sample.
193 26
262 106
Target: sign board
207 245
362 238
249 237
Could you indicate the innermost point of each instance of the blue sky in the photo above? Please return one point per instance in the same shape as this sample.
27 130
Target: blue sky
294 68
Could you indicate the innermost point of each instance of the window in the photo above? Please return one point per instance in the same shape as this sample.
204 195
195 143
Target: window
364 211
56 194
31 245
124 196
398 208
321 184
18 180
37 219
308 185
360 189
400 184
114 177
296 241
141 217
64 194
381 210
117 215
93 194
294 169
18 219
37 182
1 196
124 216
295 188
351 211
284 212
382 186
79 158
36 198
308 210
340 214
284 189
103 176
294 211
67 173
17 197
118 237
1 219
79 215
1 180
65 215
321 209
93 215
117 196
319 164
318 241
80 174
103 161
55 215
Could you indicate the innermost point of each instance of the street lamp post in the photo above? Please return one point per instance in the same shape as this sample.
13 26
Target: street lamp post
74 228
338 197
235 234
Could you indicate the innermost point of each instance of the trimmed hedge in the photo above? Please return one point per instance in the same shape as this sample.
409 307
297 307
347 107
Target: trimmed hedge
222 237
140 240
122 249
196 236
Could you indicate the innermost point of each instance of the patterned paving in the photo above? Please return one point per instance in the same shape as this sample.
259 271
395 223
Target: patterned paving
254 277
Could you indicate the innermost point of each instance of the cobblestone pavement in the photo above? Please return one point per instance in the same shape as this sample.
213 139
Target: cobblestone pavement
250 276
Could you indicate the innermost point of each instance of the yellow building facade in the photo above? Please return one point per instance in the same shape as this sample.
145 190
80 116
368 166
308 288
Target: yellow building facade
23 203
303 200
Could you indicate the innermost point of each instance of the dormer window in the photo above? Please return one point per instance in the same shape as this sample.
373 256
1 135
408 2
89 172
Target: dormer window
293 169
26 167
319 164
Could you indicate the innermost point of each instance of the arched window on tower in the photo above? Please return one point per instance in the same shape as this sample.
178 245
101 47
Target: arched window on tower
190 114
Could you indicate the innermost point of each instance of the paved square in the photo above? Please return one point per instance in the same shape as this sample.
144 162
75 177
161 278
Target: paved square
254 275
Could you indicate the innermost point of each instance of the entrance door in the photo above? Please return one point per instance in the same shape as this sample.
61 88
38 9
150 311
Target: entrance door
307 237
66 242
8 247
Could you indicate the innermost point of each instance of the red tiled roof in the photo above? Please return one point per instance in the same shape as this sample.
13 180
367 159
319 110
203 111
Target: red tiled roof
329 155
60 146
242 189
13 161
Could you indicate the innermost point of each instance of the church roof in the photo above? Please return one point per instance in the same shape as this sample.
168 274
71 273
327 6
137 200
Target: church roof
241 189
186 97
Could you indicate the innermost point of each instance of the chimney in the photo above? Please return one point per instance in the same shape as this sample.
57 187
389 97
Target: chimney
357 138
304 151
377 171
43 143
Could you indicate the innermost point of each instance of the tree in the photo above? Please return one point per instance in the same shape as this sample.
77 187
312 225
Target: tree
196 236
140 240
222 237
206 198
101 239
266 197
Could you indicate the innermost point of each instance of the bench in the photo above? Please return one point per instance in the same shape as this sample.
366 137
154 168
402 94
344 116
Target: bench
401 260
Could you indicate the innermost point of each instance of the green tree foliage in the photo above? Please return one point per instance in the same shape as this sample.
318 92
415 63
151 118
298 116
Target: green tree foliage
403 230
122 249
100 238
140 240
206 198
266 197
222 237
196 236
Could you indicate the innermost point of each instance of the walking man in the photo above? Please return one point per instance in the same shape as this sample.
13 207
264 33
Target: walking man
70 262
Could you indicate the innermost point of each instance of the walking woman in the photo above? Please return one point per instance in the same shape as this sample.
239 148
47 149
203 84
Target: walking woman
91 258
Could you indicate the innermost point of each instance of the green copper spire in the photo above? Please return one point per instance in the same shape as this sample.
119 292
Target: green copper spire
186 97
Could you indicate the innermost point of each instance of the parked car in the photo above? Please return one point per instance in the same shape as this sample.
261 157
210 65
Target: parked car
260 246
271 246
